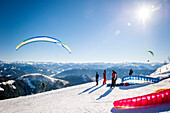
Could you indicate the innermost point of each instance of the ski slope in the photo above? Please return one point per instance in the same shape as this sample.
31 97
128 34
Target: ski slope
85 98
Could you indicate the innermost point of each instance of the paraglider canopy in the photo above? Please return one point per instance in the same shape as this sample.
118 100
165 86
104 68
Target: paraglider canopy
150 52
43 39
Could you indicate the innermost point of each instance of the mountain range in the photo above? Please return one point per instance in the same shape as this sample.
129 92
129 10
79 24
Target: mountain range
25 78
67 69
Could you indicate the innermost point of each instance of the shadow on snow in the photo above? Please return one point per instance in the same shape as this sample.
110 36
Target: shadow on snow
96 89
106 93
87 90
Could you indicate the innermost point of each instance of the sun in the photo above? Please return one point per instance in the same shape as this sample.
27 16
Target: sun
144 14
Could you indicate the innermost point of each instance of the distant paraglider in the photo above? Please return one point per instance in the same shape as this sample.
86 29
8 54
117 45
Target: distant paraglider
151 53
43 39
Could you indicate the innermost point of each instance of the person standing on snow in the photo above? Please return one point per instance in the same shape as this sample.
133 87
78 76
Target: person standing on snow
114 78
43 86
97 77
131 71
104 77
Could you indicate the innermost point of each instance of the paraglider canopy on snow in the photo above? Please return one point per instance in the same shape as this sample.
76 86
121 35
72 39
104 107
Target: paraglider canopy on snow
43 39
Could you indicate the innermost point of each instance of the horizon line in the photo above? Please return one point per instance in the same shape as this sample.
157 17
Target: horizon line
77 62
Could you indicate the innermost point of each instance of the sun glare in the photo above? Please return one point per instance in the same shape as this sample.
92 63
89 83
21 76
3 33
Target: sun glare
144 14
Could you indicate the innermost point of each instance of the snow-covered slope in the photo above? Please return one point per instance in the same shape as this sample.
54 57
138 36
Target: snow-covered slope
79 99
85 98
34 82
162 72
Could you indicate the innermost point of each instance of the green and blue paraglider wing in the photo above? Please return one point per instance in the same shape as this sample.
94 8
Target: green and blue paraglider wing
151 53
43 39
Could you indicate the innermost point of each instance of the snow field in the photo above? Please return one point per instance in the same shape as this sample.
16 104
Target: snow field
77 99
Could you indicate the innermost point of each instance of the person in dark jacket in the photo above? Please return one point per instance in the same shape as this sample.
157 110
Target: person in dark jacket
131 72
97 77
114 78
43 86
104 77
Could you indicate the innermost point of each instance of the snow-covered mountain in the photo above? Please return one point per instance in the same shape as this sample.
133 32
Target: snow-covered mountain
77 79
89 69
87 98
28 84
60 67
11 88
162 70
34 82
15 69
11 72
121 71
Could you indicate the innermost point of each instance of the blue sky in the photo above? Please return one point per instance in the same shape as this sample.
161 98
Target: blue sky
95 30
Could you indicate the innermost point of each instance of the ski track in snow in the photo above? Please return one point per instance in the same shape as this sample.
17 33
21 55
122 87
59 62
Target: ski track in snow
85 98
